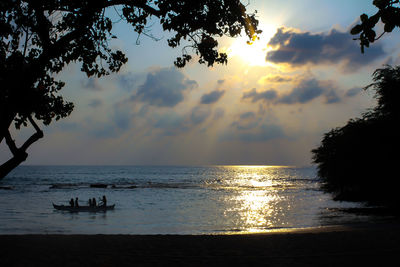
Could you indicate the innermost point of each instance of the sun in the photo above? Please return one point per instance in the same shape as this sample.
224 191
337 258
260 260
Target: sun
253 54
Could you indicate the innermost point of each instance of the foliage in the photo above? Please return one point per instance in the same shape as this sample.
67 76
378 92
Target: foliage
39 38
357 162
388 13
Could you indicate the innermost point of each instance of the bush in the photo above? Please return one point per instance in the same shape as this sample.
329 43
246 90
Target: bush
357 162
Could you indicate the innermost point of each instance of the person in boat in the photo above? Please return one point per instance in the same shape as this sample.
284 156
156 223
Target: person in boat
76 203
94 202
71 202
104 201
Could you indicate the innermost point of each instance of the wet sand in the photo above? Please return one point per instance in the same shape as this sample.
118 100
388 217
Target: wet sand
376 245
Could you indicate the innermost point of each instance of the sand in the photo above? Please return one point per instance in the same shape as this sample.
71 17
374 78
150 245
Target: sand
331 246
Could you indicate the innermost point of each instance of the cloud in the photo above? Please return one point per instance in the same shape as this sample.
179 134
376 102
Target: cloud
334 47
263 134
275 79
200 114
128 81
256 96
212 97
164 87
353 91
305 91
246 121
91 84
171 124
219 113
250 127
122 116
253 132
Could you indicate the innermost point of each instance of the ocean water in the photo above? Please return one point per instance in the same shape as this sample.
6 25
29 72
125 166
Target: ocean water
168 200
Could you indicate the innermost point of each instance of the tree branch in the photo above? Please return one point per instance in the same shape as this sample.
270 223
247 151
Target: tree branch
10 143
133 3
36 136
19 154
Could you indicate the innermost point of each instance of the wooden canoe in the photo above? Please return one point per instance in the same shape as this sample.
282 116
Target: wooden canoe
83 208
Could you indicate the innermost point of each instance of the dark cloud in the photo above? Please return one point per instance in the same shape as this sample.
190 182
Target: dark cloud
263 134
129 81
331 96
219 113
305 91
298 48
120 121
199 114
277 79
255 96
164 88
171 124
353 91
212 97
254 132
91 84
247 115
250 127
246 121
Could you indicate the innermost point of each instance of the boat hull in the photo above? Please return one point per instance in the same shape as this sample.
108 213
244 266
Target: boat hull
83 208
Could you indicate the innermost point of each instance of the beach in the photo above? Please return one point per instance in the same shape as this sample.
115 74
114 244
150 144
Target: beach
373 245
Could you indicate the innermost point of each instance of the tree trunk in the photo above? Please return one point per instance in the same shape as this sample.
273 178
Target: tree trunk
12 163
19 154
6 119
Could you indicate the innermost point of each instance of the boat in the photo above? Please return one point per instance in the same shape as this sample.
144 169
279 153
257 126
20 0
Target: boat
83 208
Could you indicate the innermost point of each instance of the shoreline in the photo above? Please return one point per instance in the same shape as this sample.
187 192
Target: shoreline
323 246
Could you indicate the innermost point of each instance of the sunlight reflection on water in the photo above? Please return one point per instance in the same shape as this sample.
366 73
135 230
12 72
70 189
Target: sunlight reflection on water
258 206
166 199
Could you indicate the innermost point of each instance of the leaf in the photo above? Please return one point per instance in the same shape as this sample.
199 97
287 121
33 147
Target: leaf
389 27
371 35
364 18
356 29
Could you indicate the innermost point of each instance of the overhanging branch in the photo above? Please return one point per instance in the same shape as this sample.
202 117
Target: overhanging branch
19 154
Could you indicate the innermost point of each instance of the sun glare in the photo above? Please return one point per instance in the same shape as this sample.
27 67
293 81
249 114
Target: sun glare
253 54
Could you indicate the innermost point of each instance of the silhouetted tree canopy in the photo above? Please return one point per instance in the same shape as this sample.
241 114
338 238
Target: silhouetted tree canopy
388 13
358 162
39 38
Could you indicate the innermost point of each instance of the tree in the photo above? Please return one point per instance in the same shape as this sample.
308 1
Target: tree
358 162
388 13
39 38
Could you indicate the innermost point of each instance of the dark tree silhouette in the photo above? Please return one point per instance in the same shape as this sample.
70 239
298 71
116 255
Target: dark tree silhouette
39 38
358 162
388 13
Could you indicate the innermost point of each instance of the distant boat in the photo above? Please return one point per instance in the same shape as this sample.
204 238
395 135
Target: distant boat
84 208
98 185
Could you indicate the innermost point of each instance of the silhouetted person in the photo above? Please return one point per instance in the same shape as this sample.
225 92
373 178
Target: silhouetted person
94 202
104 201
76 202
71 202
90 202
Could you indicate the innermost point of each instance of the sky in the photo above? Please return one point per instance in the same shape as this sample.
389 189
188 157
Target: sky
270 105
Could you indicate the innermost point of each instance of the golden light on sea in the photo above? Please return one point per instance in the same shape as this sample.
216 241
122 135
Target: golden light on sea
256 200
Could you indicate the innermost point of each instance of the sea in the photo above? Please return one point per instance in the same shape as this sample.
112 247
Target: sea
169 200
